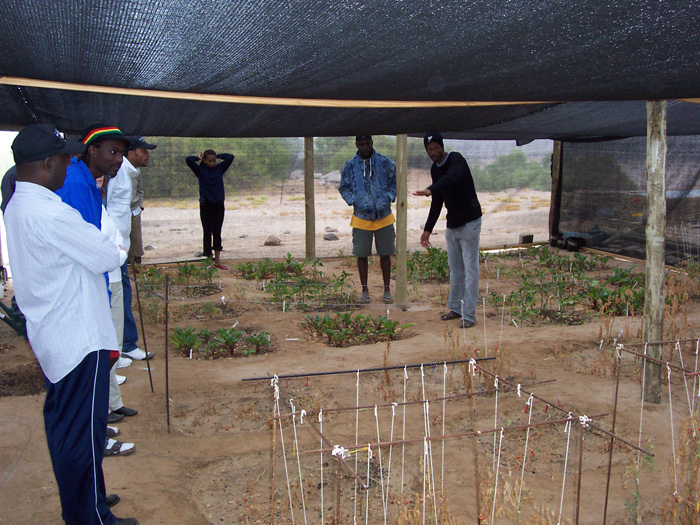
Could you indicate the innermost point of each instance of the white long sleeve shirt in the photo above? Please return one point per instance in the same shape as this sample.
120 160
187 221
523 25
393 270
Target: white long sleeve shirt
119 193
58 261
110 230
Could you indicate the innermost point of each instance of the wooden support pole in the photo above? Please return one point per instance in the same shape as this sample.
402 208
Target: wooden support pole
555 205
309 202
401 220
655 231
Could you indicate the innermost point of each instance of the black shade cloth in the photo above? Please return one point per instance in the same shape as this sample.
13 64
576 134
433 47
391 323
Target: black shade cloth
492 50
604 196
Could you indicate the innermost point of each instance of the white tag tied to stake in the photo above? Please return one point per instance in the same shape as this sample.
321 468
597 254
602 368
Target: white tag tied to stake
340 451
301 416
274 383
567 427
519 393
584 420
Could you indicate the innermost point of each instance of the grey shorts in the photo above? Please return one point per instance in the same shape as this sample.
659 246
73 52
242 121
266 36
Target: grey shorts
384 241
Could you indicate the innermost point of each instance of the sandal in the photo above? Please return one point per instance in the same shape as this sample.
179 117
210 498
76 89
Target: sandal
364 298
466 323
388 299
450 315
117 448
219 266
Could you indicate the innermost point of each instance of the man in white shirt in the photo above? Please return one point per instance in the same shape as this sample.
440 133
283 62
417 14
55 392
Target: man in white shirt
58 262
139 153
120 192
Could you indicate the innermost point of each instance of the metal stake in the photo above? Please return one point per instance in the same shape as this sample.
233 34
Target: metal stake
143 331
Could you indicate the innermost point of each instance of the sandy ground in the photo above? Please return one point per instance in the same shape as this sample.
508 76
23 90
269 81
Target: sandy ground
173 231
214 461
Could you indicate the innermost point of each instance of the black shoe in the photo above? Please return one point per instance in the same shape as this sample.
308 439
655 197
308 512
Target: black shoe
125 412
114 417
111 500
125 521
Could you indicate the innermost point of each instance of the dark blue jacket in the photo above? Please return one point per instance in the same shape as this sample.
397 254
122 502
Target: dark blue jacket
211 180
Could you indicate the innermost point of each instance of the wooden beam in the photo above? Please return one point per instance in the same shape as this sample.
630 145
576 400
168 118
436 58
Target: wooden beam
309 200
401 220
555 205
655 230
264 101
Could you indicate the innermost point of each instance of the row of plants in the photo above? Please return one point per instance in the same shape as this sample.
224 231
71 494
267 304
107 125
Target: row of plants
224 342
430 265
548 292
293 284
186 274
342 329
267 269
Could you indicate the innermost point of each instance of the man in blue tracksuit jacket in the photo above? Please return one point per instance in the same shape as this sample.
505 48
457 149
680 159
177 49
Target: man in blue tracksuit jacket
368 184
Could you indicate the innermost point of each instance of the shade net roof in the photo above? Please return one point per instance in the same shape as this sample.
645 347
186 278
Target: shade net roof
572 58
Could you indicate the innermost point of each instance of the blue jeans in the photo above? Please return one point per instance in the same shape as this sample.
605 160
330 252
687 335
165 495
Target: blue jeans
463 258
131 335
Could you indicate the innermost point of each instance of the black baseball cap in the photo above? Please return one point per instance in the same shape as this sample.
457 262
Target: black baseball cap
140 142
39 141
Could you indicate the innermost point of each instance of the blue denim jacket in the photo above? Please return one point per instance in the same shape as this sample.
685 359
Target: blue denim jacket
369 185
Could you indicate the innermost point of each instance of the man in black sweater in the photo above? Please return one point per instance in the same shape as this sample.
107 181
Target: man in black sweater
453 185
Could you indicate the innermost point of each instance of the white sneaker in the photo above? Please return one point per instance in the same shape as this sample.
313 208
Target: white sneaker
123 362
137 354
120 379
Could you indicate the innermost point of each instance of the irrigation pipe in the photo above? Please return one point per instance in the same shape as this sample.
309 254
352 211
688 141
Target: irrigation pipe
406 403
376 369
562 410
664 342
339 457
657 361
472 433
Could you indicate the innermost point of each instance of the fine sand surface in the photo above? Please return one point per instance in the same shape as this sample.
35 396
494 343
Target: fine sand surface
214 464
174 231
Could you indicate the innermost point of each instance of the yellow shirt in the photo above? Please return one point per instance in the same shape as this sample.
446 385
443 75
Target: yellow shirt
363 224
